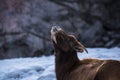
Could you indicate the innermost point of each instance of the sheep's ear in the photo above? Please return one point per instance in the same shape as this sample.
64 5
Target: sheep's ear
76 45
80 48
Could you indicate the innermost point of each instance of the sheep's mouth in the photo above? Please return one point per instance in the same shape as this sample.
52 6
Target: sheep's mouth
54 32
55 29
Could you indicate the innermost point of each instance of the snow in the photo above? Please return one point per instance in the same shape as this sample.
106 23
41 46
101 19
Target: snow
42 68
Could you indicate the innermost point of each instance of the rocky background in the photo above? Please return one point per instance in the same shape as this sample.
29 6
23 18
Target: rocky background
25 24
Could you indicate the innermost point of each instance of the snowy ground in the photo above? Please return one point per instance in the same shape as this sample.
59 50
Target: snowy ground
43 68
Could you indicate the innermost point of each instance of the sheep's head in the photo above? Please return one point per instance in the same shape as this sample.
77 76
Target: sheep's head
64 42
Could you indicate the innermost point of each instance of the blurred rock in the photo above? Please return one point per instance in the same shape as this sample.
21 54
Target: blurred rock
96 23
110 44
38 53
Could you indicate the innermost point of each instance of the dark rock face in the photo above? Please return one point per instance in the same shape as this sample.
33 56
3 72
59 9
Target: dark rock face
15 49
25 24
95 22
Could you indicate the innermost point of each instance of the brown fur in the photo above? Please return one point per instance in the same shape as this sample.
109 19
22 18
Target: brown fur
69 67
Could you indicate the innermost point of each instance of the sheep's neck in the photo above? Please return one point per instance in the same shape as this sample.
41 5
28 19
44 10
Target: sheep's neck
65 63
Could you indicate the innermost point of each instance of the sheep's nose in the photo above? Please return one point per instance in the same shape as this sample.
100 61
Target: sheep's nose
55 29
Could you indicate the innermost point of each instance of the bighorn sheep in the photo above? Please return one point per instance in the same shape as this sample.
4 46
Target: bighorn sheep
69 67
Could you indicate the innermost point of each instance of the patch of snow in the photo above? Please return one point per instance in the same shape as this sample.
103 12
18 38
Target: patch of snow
42 68
101 53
